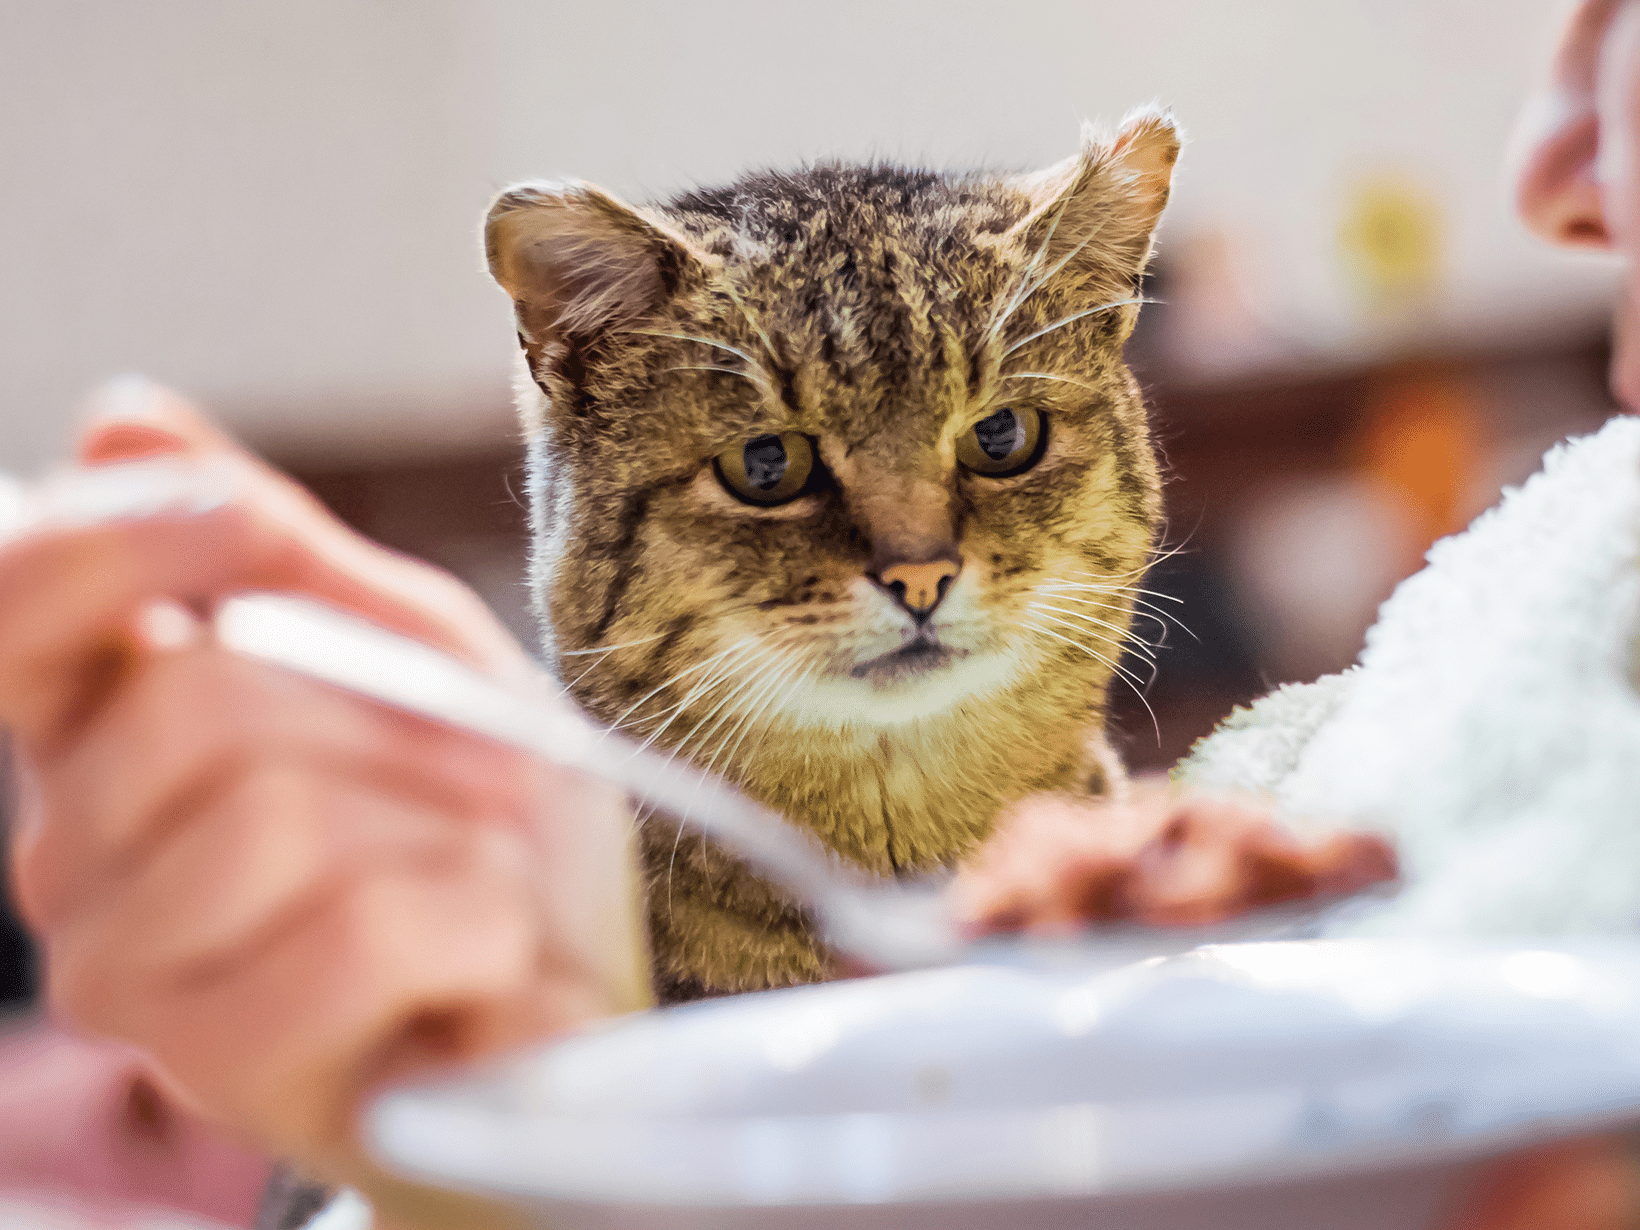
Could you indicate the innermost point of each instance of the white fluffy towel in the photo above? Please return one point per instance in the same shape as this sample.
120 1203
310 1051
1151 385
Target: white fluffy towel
1492 726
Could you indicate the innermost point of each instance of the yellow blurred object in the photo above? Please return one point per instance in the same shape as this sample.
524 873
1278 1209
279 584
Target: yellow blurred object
1391 240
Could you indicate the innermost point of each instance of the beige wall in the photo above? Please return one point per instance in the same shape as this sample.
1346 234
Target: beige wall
274 204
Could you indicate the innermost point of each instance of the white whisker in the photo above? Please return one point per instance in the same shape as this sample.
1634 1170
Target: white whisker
751 690
1150 608
1137 607
774 673
683 674
1048 376
577 653
704 341
1117 648
1072 319
734 297
1139 570
565 689
1125 637
1142 609
1092 653
722 711
1025 289
1147 610
1130 589
1119 629
757 384
752 719
703 687
1063 261
724 671
751 682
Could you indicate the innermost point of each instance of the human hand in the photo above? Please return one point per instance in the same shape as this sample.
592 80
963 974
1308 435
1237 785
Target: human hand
1058 863
284 894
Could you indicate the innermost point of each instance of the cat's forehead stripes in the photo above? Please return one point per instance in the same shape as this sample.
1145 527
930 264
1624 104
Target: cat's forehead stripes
868 285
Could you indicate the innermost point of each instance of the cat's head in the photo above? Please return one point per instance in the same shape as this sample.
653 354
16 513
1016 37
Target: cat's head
848 447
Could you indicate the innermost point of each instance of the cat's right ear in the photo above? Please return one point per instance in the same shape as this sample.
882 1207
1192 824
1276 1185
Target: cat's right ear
579 263
1094 215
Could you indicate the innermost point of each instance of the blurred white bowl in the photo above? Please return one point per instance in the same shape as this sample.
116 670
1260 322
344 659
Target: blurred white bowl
1317 1084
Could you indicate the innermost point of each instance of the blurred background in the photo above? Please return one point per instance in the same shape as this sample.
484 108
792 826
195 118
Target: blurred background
274 206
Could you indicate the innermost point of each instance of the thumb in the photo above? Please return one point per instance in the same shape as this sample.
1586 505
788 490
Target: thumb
130 418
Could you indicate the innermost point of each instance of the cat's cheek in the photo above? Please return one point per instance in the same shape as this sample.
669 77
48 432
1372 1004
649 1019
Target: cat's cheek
1095 511
708 495
1019 500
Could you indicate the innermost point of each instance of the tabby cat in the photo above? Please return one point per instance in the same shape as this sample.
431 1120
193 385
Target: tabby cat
840 488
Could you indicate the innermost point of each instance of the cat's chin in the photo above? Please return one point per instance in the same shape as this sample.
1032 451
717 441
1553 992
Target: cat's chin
908 662
913 683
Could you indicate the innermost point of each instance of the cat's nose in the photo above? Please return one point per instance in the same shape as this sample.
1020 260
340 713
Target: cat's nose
919 587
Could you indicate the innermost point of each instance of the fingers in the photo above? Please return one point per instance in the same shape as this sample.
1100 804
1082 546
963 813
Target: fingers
306 917
1059 863
1350 862
280 891
1051 865
1217 858
225 878
190 724
282 1031
1213 859
70 588
318 919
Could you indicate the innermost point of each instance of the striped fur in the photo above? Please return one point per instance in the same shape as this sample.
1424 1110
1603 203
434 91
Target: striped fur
880 311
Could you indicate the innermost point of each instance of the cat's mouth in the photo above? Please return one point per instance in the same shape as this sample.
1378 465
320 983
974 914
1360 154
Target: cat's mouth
919 657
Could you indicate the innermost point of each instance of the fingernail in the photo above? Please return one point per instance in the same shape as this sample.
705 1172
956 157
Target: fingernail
127 398
125 421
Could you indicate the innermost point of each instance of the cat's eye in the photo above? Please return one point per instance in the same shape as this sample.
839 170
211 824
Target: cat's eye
768 469
1003 443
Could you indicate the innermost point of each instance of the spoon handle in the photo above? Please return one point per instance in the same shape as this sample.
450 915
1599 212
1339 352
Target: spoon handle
887 925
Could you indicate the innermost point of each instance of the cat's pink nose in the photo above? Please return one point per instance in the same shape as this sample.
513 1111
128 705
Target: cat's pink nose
919 587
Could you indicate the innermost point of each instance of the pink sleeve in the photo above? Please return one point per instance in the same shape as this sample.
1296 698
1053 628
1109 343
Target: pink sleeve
84 1121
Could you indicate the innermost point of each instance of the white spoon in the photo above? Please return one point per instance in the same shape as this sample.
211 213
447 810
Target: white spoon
888 924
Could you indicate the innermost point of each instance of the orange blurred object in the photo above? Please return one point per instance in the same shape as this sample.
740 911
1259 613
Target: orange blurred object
1420 438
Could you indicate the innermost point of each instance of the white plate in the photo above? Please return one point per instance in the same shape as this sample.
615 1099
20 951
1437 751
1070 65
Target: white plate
1358 1079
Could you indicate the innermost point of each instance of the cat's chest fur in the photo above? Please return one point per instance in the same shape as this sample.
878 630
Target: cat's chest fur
906 802
912 798
840 488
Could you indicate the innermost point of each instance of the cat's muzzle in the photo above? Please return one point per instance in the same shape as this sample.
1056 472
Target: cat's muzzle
921 655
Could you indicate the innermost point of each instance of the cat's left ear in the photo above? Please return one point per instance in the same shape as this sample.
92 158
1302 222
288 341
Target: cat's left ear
1095 214
578 262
